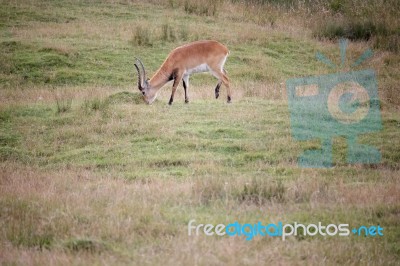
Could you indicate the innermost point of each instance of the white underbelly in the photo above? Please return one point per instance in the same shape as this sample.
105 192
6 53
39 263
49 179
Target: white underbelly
197 69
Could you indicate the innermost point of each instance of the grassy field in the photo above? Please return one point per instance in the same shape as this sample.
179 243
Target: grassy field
90 174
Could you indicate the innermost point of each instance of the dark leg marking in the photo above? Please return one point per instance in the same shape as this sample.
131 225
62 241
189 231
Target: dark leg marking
176 82
229 99
217 90
171 99
171 77
184 88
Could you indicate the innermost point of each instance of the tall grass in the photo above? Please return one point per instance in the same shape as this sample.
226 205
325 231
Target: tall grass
334 19
142 36
331 19
202 7
63 100
168 33
361 20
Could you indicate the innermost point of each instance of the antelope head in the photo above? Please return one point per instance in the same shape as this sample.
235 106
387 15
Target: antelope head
144 86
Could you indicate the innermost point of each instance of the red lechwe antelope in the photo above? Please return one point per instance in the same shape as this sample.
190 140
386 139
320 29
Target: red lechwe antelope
195 57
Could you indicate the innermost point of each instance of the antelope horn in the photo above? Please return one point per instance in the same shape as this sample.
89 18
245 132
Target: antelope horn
144 71
140 85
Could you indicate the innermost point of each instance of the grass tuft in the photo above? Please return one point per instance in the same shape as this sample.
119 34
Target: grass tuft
94 104
168 33
141 36
24 225
85 245
63 100
125 97
202 7
260 191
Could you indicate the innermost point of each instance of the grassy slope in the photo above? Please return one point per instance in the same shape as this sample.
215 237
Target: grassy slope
112 180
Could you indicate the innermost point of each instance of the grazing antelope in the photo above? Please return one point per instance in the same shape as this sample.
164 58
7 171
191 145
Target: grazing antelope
195 57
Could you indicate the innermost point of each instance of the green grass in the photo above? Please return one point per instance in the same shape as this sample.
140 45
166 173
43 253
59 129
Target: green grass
89 174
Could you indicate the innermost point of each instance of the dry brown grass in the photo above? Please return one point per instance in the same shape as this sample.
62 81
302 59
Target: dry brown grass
344 193
114 212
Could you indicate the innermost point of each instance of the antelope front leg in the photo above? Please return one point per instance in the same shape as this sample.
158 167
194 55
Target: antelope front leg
185 80
178 79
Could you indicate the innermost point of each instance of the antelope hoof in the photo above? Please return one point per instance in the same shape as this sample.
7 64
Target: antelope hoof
216 95
186 100
229 99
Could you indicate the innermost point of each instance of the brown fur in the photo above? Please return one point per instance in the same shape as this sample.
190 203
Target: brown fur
188 57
